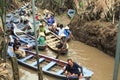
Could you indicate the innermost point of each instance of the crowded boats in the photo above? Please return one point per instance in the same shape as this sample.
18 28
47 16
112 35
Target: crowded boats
50 34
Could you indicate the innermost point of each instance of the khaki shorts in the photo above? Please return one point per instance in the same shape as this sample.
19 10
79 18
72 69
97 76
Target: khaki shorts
21 53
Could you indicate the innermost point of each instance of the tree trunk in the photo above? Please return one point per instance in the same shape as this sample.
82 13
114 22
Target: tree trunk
15 68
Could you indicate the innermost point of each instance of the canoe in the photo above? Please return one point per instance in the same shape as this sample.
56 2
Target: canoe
71 13
52 40
50 66
27 39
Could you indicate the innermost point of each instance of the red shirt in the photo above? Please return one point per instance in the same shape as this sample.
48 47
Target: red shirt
37 17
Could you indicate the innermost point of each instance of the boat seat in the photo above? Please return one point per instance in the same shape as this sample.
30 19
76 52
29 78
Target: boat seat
49 65
49 37
40 60
52 44
60 72
26 58
52 39
57 41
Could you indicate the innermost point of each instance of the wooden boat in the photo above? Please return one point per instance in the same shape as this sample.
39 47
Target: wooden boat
50 66
52 40
27 39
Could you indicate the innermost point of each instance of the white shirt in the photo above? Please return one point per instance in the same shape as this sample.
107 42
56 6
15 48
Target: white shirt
61 31
11 25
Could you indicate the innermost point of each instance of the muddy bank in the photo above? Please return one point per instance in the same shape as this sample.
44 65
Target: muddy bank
102 35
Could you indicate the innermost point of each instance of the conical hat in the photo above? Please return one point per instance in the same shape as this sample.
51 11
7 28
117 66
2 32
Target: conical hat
62 35
42 34
40 24
67 27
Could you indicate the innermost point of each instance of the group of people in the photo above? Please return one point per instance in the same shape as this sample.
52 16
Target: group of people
57 28
72 69
16 44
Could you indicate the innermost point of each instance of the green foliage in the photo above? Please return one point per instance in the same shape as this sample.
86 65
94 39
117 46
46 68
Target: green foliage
57 1
0 12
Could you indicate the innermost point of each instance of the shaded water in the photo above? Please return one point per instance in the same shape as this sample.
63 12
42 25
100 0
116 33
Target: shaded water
101 64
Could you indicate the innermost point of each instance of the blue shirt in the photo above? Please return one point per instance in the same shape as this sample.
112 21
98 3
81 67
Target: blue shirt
67 33
50 21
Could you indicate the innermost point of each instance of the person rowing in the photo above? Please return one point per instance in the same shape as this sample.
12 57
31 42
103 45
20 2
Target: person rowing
62 46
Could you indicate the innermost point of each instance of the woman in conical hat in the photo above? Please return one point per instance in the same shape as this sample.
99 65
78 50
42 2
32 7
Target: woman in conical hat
42 38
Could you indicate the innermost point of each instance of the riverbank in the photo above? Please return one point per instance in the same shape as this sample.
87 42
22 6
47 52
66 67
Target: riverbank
99 34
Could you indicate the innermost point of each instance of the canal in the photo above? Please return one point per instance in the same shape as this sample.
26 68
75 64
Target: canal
101 64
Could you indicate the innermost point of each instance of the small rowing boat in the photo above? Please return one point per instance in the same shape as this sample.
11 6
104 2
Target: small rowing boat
52 40
71 13
50 66
27 39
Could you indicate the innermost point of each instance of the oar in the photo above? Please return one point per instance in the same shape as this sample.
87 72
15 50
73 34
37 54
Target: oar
58 54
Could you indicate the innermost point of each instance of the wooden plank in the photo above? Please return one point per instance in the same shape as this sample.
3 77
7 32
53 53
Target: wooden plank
40 60
26 58
52 39
48 66
50 36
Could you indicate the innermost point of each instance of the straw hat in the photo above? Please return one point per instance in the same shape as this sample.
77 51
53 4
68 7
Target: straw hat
49 15
62 35
40 24
67 27
55 25
46 11
42 34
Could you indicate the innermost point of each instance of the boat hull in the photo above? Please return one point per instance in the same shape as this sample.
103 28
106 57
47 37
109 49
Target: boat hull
49 68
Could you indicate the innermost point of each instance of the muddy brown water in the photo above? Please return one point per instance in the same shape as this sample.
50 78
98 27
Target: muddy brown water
101 64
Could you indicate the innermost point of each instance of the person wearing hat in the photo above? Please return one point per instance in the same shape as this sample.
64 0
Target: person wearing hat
50 21
67 32
41 28
62 46
41 38
29 29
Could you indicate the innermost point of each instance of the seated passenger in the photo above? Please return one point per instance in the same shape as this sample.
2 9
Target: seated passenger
37 17
41 28
41 39
60 30
73 70
50 22
63 44
19 53
28 28
67 32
